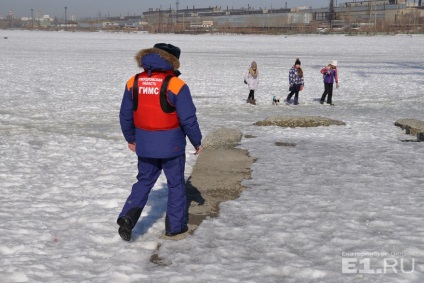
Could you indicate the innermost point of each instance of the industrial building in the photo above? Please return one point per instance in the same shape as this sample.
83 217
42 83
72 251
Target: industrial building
391 16
356 15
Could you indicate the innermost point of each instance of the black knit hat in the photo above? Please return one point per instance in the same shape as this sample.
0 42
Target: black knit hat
297 61
171 49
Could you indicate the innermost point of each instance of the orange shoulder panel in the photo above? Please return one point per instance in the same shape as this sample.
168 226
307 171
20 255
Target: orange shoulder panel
175 85
130 83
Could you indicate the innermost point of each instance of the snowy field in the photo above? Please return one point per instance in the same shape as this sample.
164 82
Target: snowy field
343 205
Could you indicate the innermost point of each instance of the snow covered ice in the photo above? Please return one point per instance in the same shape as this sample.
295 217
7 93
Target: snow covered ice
342 192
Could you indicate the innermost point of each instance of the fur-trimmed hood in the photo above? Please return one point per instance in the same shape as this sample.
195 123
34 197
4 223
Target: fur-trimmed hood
171 59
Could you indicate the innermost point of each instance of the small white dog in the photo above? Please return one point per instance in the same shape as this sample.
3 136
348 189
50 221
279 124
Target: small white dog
275 100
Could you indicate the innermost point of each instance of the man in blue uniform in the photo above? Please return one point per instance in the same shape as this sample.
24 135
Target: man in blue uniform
157 114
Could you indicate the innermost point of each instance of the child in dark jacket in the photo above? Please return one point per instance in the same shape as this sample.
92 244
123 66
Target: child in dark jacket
296 82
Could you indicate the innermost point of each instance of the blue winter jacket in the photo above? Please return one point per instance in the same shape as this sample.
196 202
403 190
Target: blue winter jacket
330 75
164 143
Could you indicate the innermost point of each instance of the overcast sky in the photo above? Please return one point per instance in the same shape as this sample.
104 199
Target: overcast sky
92 8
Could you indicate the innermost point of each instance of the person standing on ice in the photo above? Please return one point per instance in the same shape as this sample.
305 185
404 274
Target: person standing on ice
251 78
330 75
296 82
157 113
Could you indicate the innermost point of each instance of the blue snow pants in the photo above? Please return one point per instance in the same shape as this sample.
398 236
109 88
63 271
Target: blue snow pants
149 170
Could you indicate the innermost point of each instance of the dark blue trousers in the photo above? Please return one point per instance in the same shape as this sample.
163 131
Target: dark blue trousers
149 170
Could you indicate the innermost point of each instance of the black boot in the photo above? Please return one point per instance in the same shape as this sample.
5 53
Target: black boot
169 234
288 98
168 228
125 228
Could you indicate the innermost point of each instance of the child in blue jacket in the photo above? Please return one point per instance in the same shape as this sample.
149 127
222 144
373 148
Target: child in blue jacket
330 75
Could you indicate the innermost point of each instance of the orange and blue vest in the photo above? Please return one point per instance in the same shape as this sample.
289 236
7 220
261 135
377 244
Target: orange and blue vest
159 134
152 109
